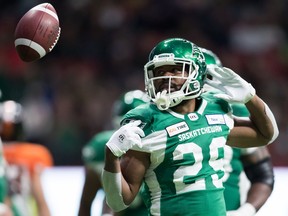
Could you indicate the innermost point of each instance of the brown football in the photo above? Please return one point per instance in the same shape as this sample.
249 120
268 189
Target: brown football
37 32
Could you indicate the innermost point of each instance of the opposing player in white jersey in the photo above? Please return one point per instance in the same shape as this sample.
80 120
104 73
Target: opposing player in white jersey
256 162
175 144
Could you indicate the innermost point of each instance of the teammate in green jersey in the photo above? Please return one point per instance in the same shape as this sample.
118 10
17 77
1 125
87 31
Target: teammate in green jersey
255 161
175 144
93 158
257 165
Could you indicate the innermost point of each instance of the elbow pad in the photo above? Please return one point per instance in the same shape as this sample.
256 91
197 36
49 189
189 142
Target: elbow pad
261 172
113 190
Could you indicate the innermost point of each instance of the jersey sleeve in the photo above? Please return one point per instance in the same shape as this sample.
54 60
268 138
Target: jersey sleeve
209 96
144 113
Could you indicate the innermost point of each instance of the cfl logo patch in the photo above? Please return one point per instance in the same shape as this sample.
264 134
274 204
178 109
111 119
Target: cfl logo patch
121 138
193 117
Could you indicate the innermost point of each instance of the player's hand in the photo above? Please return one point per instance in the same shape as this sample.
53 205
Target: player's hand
233 87
162 100
246 209
125 138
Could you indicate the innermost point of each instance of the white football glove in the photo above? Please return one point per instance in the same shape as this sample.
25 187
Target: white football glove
246 209
125 138
235 89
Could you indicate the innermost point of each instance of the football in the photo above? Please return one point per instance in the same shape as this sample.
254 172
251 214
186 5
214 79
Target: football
37 32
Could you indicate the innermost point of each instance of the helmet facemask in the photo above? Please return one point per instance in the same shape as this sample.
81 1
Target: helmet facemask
165 99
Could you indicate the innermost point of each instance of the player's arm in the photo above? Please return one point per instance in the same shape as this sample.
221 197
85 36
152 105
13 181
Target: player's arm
92 184
122 178
38 193
261 129
259 170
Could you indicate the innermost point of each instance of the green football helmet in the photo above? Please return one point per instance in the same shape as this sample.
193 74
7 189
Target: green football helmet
175 51
211 58
126 102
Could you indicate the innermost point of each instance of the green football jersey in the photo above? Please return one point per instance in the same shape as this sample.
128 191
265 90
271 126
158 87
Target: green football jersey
233 166
231 181
186 170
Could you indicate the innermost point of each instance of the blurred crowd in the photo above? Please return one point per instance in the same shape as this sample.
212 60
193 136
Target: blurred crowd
68 95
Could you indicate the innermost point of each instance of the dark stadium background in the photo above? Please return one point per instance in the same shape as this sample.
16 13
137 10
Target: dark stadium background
102 50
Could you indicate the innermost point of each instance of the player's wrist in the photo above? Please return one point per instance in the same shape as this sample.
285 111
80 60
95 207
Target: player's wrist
115 150
112 185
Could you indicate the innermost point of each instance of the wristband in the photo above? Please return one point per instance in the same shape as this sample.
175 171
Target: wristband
113 190
247 209
272 119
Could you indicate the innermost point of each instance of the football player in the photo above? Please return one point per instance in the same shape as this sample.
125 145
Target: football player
93 158
175 144
256 162
25 163
5 209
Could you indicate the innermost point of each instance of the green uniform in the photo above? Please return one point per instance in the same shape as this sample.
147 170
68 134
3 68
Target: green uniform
233 166
93 154
186 170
